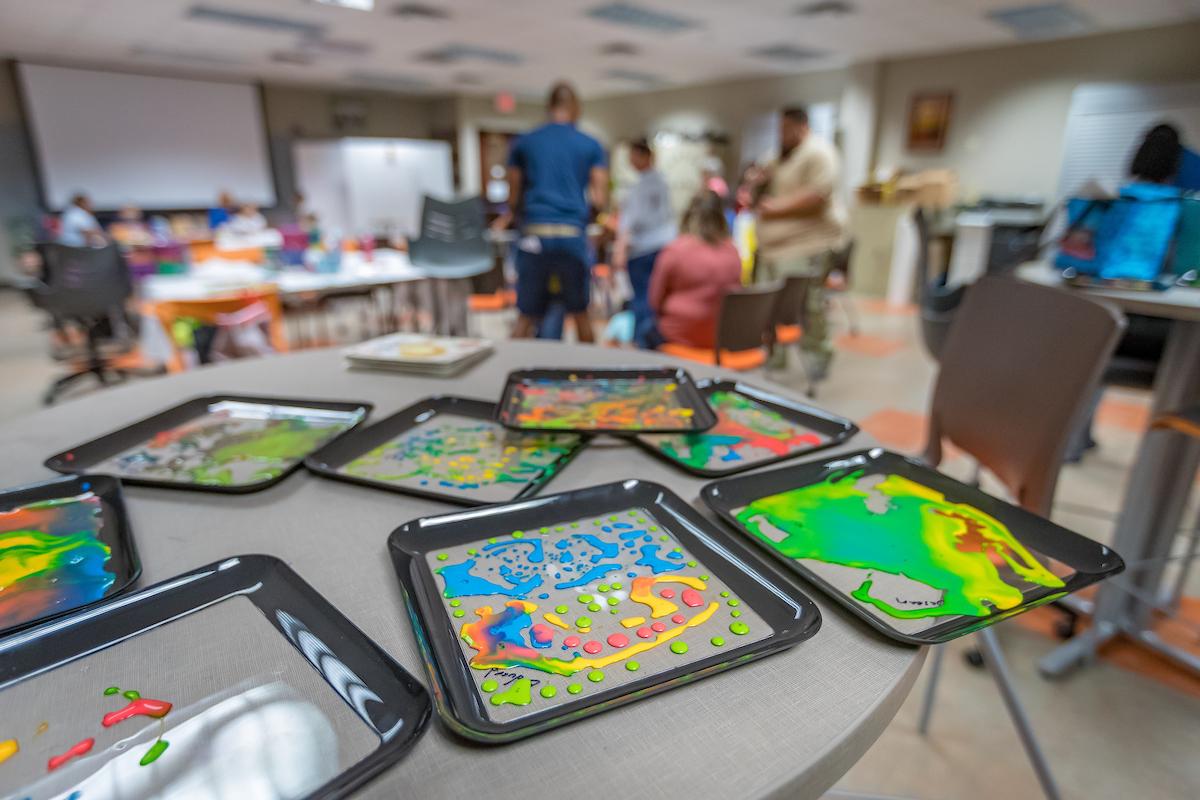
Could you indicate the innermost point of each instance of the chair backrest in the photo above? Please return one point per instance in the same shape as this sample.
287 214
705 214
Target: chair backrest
746 317
210 309
85 283
792 302
451 243
1018 370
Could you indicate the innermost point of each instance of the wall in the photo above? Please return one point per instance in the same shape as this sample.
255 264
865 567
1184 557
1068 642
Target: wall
1010 104
473 114
304 113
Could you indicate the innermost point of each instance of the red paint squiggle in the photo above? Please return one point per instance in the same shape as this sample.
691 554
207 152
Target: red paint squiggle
142 707
77 749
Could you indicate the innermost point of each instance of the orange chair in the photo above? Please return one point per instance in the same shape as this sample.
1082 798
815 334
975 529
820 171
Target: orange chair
208 310
743 330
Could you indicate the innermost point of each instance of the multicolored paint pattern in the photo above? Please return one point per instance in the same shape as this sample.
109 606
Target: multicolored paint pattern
52 558
473 458
746 432
235 444
582 403
937 558
549 615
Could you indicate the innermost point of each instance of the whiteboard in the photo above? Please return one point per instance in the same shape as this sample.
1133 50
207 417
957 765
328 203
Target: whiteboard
360 186
159 143
1106 124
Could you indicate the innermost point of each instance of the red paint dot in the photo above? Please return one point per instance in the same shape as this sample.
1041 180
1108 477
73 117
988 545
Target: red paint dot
679 619
659 626
692 598
571 641
592 647
644 633
618 640
69 456
667 593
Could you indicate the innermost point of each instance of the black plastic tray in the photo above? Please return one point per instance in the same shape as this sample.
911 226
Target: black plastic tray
330 459
836 429
1086 560
114 531
779 614
84 457
702 418
386 698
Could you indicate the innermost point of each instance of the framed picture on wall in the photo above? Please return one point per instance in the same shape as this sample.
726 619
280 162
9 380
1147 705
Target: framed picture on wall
928 120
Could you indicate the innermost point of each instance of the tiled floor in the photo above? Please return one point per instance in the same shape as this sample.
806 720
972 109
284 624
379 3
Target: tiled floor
1109 732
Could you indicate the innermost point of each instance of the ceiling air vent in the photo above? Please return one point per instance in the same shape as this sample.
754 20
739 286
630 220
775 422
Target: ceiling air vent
826 8
788 52
646 19
257 21
1043 21
420 11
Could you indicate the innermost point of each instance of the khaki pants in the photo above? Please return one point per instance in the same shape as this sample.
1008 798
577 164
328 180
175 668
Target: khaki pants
815 342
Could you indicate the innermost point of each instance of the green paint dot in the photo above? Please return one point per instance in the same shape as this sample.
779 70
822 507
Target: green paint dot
653 528
632 666
455 603
560 528
442 557
492 540
734 603
574 688
703 577
548 691
613 518
489 685
679 648
516 694
156 750
724 594
518 534
603 587
612 601
459 613
544 530
562 610
597 522
735 614
132 695
595 676
692 564
574 524
472 552
676 550
717 641
111 690
594 607
633 513
586 598
615 586
614 611
740 628
583 622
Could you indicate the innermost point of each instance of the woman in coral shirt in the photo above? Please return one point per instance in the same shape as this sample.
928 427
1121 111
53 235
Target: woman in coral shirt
691 276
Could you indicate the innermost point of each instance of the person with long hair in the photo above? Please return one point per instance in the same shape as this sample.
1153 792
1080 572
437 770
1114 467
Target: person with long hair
691 277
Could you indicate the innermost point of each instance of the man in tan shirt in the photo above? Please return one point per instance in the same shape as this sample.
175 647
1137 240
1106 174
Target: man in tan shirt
800 223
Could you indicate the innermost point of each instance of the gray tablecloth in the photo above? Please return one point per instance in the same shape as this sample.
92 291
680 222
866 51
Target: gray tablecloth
789 725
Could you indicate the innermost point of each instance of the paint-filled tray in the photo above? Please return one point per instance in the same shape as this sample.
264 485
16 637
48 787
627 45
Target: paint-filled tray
546 611
754 427
64 545
234 680
447 448
617 401
221 443
918 555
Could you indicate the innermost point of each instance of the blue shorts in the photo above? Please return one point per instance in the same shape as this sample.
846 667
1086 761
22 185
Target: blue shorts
563 262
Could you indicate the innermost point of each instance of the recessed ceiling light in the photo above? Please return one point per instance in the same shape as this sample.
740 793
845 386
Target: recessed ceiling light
641 17
454 53
357 5
1043 21
262 21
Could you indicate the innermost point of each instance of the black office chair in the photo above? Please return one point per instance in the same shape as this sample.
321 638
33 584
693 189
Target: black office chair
450 250
937 301
84 290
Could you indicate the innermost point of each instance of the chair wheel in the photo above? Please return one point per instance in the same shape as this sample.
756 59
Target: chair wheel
973 658
1066 628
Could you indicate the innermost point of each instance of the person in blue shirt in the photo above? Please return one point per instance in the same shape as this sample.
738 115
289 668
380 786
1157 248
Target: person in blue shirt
553 173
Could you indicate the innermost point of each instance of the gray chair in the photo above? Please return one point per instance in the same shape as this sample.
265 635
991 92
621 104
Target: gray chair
84 290
450 250
1018 367
790 317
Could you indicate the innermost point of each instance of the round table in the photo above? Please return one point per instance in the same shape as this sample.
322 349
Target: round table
790 724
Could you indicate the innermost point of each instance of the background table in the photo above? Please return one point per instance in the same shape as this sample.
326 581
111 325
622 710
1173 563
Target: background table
1159 485
788 725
